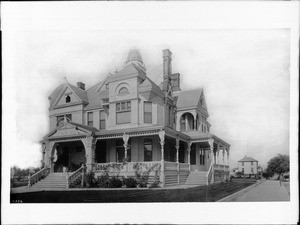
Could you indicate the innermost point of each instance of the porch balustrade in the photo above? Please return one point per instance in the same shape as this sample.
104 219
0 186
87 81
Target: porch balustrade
38 176
184 167
221 167
129 166
124 167
73 177
171 166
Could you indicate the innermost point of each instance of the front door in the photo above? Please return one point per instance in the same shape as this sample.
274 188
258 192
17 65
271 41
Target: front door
62 159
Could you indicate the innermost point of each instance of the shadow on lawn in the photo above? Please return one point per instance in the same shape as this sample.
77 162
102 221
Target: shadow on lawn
209 193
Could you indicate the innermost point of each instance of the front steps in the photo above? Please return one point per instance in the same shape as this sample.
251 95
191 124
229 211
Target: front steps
52 181
197 178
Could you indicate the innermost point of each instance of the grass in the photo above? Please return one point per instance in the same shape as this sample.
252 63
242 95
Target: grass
15 184
210 193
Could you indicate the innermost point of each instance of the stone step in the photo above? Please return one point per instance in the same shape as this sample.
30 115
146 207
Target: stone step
52 181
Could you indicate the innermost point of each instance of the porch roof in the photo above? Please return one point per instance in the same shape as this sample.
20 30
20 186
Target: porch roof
141 131
70 130
197 136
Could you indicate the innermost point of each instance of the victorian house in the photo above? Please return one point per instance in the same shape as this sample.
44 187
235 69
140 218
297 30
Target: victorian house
127 119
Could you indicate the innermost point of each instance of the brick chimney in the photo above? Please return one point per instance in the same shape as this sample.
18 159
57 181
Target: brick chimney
167 70
81 85
175 82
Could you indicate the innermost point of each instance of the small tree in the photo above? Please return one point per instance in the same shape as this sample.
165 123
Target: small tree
278 165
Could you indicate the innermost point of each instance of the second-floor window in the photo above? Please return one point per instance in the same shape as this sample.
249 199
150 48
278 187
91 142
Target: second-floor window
123 112
251 170
251 163
147 112
242 163
90 119
102 120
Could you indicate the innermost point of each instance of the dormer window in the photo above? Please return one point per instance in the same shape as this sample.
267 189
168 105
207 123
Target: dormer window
123 91
68 99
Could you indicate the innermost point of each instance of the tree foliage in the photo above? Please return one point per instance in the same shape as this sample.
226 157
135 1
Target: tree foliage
278 164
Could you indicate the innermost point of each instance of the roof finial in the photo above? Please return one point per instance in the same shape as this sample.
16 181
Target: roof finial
65 78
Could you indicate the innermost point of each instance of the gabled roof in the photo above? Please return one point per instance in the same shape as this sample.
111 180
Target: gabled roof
58 92
188 99
82 94
130 70
94 96
70 129
55 94
247 159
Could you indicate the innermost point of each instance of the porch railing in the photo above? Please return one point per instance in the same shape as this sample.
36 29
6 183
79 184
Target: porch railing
221 167
73 177
184 167
38 176
171 166
129 166
210 175
124 167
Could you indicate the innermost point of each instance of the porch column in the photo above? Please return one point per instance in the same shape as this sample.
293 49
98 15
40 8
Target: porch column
49 145
177 150
211 146
218 154
161 135
189 144
228 155
223 153
177 159
125 139
90 147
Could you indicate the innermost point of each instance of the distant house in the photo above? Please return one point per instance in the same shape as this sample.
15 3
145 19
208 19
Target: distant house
248 166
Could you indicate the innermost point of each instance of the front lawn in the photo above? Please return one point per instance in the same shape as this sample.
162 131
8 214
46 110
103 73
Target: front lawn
210 193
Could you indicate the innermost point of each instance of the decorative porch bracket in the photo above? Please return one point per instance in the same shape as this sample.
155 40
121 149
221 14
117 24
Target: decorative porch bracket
161 135
125 139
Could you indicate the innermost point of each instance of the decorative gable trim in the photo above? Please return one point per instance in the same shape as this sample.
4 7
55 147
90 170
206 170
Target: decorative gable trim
61 94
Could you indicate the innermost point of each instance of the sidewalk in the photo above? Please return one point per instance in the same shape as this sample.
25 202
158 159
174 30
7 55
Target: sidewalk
269 190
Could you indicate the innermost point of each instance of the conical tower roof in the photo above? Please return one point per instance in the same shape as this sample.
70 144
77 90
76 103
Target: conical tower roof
135 57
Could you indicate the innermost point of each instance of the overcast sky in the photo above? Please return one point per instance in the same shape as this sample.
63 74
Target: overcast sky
244 73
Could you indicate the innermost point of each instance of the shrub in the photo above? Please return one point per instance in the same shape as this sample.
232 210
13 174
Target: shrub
90 180
115 183
130 182
103 181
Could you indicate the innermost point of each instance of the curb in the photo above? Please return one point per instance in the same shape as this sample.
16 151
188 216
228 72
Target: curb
234 195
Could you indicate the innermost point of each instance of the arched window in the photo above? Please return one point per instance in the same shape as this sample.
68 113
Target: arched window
187 122
182 123
123 91
68 99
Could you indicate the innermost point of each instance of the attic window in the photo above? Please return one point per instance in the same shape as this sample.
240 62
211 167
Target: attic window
68 99
123 91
